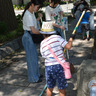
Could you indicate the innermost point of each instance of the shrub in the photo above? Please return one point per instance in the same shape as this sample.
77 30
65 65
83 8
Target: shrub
92 2
3 27
19 29
19 7
19 18
11 35
20 25
46 3
63 2
2 38
7 36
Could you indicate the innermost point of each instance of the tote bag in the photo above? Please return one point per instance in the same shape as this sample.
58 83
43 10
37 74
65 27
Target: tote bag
65 65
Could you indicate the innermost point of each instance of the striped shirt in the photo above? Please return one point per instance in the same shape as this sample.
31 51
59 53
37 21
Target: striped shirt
57 43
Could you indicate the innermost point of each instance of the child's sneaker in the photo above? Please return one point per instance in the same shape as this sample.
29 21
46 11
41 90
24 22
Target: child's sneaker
84 38
88 38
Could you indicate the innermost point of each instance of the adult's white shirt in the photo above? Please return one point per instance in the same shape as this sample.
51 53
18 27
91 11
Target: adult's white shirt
29 20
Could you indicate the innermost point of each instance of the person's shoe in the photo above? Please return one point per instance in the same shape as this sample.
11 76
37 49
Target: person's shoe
88 39
84 38
38 81
41 76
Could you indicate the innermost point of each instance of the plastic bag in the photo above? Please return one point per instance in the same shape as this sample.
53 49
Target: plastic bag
91 20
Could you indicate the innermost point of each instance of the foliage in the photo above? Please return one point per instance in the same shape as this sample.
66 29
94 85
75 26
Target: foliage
63 2
74 0
93 2
19 7
19 18
9 36
3 27
19 30
13 34
47 3
20 25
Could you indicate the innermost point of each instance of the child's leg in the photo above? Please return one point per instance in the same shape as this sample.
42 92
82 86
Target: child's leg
87 34
83 30
49 91
87 30
62 92
51 82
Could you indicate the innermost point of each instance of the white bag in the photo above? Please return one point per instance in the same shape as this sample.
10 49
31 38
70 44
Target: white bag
91 20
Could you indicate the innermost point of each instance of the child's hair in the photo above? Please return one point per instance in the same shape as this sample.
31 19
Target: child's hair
47 35
35 2
55 1
85 8
85 3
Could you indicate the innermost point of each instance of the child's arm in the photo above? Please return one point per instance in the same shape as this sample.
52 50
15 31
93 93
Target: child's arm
39 16
62 13
58 26
47 14
69 44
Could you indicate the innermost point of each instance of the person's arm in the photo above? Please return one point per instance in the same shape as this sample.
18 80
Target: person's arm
34 31
64 43
39 16
47 14
58 26
69 44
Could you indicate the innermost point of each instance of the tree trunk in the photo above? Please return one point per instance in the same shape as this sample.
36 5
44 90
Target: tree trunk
7 14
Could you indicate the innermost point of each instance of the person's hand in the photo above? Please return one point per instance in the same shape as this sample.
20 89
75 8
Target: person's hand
73 36
40 15
62 13
62 27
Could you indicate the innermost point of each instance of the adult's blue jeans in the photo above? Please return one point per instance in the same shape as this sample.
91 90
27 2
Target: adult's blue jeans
32 57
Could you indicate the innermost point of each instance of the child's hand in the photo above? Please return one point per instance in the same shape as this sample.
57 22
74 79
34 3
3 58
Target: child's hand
62 27
40 15
73 36
61 13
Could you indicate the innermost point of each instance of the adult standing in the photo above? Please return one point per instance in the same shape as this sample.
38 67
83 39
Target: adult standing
30 28
53 12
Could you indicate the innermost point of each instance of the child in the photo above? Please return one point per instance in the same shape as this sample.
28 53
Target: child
53 70
85 24
54 12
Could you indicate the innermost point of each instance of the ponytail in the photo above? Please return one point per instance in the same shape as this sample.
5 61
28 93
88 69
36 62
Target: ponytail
35 2
26 7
